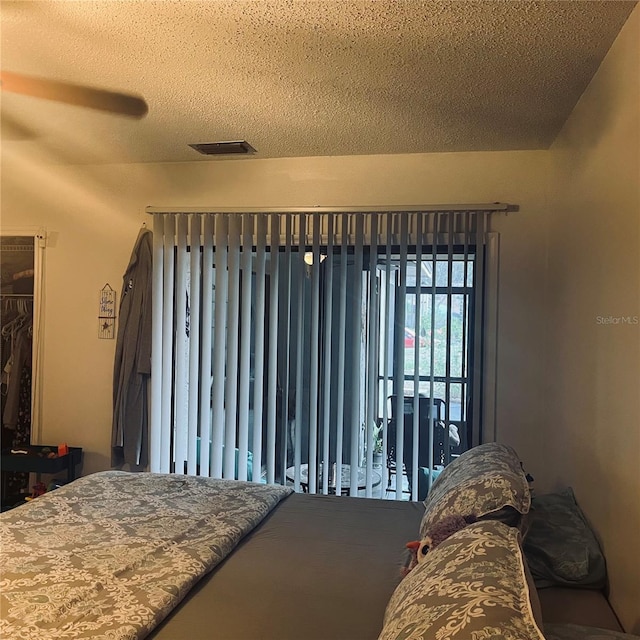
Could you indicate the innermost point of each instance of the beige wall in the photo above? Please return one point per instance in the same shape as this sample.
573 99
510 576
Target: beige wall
93 215
592 430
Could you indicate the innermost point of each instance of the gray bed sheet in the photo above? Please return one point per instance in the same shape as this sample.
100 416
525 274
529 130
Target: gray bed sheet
318 567
324 567
588 607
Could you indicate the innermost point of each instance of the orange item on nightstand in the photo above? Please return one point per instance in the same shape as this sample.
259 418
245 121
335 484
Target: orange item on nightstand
63 450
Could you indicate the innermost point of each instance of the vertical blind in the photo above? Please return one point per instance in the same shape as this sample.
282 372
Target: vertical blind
279 338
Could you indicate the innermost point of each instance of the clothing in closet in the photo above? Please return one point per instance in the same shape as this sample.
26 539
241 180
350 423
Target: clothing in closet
16 384
132 367
18 344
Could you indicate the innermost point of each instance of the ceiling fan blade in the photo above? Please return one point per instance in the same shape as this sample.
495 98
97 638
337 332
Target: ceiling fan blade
12 130
78 95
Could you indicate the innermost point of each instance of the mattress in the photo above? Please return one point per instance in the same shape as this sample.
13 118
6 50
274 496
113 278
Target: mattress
317 567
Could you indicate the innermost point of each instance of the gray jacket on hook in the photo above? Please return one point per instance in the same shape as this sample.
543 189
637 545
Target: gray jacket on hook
132 366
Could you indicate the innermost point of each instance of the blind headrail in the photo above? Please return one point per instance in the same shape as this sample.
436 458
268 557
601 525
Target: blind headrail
444 208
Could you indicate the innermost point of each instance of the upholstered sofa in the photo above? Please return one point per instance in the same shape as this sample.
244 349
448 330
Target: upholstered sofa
527 569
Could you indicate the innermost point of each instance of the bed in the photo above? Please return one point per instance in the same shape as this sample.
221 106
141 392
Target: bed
118 555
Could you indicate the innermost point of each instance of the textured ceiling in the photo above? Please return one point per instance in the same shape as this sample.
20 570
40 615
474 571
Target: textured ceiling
305 78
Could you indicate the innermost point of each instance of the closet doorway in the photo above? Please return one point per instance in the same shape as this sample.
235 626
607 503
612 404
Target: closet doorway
20 327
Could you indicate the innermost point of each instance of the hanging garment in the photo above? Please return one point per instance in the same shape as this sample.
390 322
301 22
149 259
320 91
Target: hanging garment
132 366
19 359
16 390
17 482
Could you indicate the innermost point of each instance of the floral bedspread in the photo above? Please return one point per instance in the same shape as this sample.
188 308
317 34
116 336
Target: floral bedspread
111 554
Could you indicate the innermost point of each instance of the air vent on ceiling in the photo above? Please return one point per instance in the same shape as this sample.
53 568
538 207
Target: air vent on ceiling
223 148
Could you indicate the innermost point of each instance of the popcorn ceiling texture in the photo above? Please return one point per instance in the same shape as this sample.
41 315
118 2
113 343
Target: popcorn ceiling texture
306 78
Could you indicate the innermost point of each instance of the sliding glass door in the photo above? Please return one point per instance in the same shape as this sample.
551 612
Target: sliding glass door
294 347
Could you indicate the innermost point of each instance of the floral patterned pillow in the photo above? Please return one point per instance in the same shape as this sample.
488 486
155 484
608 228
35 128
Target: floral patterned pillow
487 480
473 585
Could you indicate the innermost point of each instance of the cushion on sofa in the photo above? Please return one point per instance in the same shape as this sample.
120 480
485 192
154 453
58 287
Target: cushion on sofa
560 547
472 585
487 480
579 632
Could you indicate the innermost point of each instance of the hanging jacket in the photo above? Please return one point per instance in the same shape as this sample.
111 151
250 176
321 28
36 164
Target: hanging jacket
132 366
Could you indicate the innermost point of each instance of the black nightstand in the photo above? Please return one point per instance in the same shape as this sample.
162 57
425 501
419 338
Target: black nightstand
35 462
